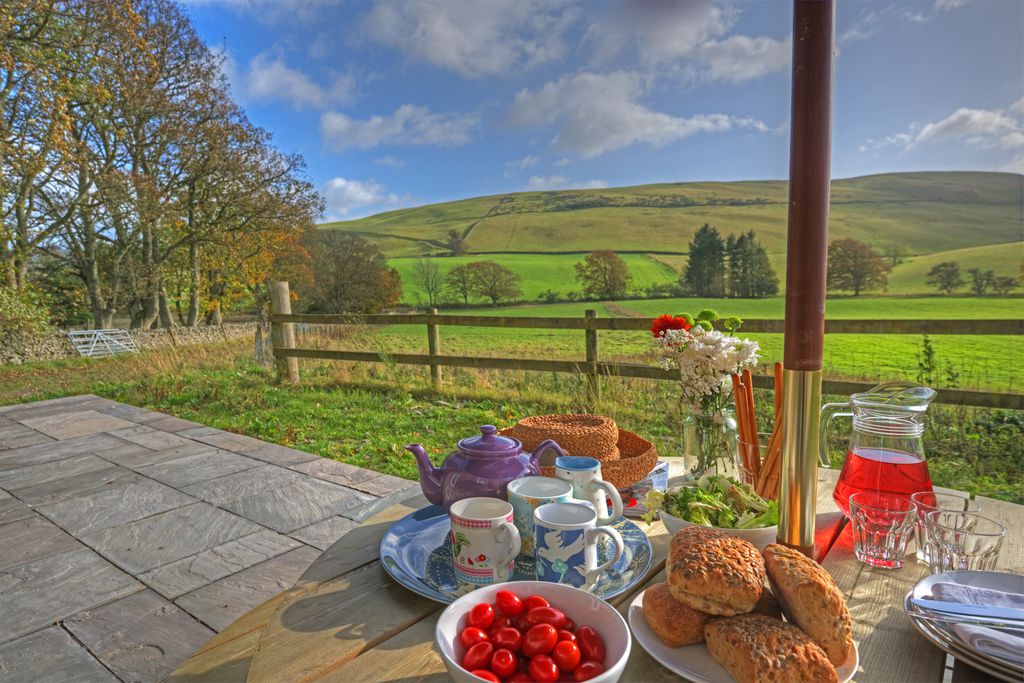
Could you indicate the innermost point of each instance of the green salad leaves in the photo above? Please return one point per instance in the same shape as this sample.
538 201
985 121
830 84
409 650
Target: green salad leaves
715 500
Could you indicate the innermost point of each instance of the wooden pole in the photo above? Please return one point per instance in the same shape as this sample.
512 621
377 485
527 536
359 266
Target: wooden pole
434 348
593 379
806 262
283 334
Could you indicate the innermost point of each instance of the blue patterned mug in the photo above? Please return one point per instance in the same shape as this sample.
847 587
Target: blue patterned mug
566 544
526 494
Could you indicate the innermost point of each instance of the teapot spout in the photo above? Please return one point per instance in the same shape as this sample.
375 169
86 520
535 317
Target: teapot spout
430 476
535 457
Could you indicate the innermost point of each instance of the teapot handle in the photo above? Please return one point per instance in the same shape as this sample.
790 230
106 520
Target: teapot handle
828 411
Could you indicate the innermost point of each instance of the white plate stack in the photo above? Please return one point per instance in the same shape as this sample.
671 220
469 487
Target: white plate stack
975 616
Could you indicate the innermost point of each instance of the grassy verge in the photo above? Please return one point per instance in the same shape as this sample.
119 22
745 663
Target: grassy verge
363 414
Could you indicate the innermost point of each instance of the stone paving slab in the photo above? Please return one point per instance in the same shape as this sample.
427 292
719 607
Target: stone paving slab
99 500
69 425
32 538
195 468
164 538
142 637
221 602
322 534
127 500
35 594
195 571
50 655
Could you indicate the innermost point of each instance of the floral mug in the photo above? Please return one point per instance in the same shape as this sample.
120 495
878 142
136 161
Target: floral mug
485 542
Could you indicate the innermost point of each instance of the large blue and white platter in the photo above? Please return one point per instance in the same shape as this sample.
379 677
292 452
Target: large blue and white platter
416 551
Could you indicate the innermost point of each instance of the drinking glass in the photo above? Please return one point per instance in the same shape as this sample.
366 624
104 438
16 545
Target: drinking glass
882 527
927 501
962 540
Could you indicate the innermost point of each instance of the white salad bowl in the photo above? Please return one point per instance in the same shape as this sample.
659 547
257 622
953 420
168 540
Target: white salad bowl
759 537
578 605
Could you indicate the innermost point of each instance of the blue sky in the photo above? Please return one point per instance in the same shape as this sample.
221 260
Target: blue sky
403 103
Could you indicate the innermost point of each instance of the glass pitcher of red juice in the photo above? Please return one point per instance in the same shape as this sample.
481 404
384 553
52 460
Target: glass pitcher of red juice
886 452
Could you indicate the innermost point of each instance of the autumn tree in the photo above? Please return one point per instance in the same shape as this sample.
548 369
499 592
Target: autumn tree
351 275
459 281
705 267
855 266
427 275
603 275
493 281
945 277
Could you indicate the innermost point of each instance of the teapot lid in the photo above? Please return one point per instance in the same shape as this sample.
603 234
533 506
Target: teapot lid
490 443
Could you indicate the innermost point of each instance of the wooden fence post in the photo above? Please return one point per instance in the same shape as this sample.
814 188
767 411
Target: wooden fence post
593 380
283 334
434 348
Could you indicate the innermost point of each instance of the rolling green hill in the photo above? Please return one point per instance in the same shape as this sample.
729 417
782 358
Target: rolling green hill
927 214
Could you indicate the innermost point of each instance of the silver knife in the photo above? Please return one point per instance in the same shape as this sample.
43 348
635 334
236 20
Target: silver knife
1004 613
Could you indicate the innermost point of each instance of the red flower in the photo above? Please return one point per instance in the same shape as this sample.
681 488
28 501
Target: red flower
481 558
668 322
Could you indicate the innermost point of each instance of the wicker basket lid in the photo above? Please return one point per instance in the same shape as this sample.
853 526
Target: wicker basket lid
579 434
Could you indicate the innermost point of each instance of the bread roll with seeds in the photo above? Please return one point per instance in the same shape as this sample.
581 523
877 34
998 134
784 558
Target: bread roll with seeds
758 649
675 623
810 599
715 572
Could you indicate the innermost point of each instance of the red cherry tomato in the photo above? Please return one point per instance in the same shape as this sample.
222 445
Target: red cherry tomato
565 634
591 643
543 669
539 640
481 615
521 623
508 638
504 662
509 603
520 677
546 615
531 601
486 675
500 622
478 656
566 655
570 625
587 670
471 635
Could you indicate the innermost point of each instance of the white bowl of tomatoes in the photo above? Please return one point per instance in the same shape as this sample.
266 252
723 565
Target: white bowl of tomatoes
532 631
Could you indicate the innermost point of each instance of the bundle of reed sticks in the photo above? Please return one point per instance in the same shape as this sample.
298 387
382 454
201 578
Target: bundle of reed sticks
760 472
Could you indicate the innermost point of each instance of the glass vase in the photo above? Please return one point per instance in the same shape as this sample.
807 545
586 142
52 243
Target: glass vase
709 443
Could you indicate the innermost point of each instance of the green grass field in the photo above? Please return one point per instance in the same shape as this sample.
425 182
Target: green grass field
1004 259
539 272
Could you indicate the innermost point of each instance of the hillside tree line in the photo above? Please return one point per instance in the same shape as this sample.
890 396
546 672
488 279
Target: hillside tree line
130 181
735 266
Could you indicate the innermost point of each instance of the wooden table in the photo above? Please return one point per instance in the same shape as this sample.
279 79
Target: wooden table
346 620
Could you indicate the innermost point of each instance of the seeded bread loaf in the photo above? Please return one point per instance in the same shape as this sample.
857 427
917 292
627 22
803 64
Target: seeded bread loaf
675 623
758 649
810 599
714 572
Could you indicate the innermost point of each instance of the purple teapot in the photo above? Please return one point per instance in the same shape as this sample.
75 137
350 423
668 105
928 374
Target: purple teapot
482 466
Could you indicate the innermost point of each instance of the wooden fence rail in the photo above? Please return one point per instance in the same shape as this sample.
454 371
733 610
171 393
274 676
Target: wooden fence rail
593 368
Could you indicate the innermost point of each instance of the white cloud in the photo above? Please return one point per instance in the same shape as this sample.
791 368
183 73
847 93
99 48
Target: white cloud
393 162
409 125
564 161
659 31
949 4
474 39
597 113
982 128
741 58
560 182
343 196
268 78
526 162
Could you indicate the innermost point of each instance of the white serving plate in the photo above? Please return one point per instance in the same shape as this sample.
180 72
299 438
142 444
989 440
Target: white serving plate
694 662
945 638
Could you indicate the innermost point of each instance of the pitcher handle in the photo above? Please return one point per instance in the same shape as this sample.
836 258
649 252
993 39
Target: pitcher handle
829 411
613 494
590 537
500 566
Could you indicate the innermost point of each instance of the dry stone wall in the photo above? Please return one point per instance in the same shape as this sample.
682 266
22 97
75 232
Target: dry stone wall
16 349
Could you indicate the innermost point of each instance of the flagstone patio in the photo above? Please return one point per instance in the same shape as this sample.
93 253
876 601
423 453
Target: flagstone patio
129 537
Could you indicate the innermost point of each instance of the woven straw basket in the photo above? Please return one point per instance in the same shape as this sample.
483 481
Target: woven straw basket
579 434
